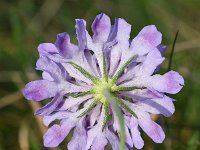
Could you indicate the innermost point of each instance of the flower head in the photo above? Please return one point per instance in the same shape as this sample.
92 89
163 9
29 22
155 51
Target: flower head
78 77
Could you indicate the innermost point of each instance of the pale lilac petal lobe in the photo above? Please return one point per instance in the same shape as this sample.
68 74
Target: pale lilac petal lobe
65 48
78 141
101 27
45 48
39 90
171 82
148 39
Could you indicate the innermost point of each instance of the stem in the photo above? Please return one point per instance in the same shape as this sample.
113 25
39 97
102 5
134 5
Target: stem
116 88
81 94
120 118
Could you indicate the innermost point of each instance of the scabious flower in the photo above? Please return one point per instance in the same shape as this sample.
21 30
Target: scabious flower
79 78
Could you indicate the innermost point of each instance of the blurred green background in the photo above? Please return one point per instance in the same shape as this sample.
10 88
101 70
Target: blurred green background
26 23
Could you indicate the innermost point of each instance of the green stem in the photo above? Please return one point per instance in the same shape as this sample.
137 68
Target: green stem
106 108
120 118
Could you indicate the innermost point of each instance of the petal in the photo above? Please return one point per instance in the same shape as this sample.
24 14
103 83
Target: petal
171 82
47 76
149 65
163 106
45 64
50 107
152 129
39 90
57 133
94 114
148 39
84 39
58 115
78 140
136 135
121 34
75 73
113 139
128 137
71 102
99 142
101 28
65 47
46 48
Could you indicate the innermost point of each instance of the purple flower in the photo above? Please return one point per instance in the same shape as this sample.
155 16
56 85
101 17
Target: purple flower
77 77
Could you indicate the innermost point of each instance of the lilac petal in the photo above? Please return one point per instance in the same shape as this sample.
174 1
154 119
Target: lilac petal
96 131
84 39
75 73
171 82
65 47
151 62
152 129
94 114
121 34
136 135
78 141
47 48
39 90
50 107
163 106
101 28
128 137
113 139
57 133
148 39
99 143
45 64
71 102
58 115
47 76
147 67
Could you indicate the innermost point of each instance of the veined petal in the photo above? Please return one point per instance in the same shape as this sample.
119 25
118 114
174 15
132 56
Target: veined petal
57 133
136 135
148 39
39 90
58 115
113 139
50 107
71 102
78 140
171 82
47 48
152 129
99 142
65 47
101 28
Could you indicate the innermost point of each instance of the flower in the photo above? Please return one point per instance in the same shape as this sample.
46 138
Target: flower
78 76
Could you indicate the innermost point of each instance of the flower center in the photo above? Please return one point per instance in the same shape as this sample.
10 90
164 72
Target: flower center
100 87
